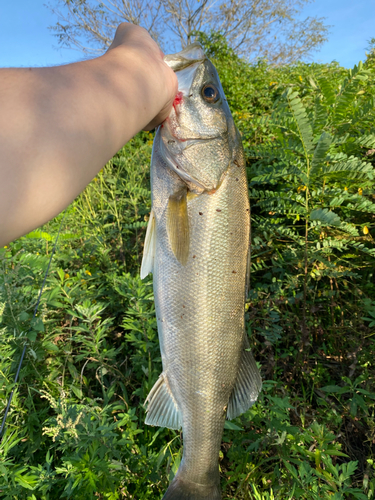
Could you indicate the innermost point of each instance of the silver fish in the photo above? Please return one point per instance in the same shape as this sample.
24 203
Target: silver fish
197 246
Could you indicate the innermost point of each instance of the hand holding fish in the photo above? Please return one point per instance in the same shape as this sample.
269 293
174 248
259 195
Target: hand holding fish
127 37
60 125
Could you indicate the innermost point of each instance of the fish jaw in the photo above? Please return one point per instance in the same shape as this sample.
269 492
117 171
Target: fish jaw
181 156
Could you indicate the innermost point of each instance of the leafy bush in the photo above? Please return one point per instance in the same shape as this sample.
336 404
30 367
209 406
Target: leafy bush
76 426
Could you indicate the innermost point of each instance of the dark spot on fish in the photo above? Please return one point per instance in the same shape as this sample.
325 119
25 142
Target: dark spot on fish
191 95
236 163
218 210
200 213
193 258
197 274
247 210
236 177
177 166
234 272
183 307
172 142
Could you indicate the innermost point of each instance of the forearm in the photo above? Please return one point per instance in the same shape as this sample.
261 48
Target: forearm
60 125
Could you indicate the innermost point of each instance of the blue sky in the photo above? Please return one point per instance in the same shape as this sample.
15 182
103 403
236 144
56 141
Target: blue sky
26 41
352 26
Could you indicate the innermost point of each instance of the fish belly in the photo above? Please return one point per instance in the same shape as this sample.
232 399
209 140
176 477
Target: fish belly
200 312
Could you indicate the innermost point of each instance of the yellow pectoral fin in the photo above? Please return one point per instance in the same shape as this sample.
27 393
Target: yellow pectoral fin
149 248
178 225
190 195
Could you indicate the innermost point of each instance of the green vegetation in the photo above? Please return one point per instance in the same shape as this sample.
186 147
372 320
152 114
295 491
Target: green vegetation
76 428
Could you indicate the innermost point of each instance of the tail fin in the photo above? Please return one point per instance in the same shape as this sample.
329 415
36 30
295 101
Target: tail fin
182 490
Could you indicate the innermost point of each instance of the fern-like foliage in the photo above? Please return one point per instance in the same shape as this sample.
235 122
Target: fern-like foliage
327 91
320 153
301 119
309 185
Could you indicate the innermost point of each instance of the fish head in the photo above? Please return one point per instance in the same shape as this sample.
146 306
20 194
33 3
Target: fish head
197 139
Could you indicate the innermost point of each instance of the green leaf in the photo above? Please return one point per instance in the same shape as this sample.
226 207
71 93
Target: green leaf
231 426
320 117
325 140
31 335
162 455
360 402
38 235
69 236
27 481
327 90
335 453
367 141
325 216
302 121
354 168
291 469
76 391
370 395
50 346
344 101
176 463
37 325
335 389
353 407
24 316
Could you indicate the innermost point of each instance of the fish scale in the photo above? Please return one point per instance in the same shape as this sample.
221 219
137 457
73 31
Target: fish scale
197 246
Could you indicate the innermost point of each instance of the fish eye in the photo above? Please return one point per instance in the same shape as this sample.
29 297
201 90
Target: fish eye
210 93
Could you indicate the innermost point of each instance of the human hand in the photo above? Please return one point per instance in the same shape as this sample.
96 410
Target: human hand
160 75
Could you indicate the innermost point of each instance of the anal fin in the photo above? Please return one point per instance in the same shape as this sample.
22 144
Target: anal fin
247 386
162 408
149 248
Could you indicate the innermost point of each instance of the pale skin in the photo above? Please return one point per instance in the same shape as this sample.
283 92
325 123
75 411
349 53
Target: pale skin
60 125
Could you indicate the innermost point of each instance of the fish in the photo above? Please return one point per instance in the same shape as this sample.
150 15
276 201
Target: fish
197 247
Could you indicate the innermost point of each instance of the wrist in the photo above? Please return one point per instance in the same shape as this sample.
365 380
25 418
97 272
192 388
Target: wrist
147 82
